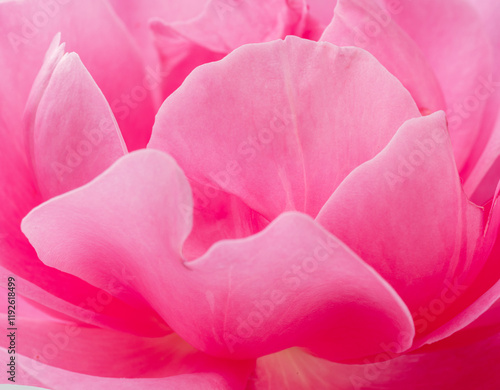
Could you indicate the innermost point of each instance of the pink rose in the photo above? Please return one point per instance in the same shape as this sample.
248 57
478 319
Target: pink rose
314 212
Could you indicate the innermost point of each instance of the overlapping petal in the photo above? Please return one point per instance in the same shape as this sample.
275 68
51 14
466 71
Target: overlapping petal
68 296
93 31
292 284
73 137
364 24
322 10
200 373
221 27
223 248
483 167
50 342
481 295
136 15
72 133
450 32
485 176
405 213
458 368
93 351
281 118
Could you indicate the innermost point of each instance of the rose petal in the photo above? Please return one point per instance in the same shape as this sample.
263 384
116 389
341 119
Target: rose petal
460 368
485 326
483 166
94 351
202 372
450 32
77 347
125 176
70 296
322 10
136 15
217 216
72 133
46 285
301 282
93 31
485 290
485 175
220 28
240 22
178 56
27 29
405 213
363 24
19 194
293 284
271 119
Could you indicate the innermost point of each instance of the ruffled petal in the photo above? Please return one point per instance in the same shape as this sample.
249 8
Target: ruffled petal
76 347
201 372
485 175
69 297
292 284
221 27
322 10
281 118
405 213
481 295
90 29
482 171
72 133
455 44
19 194
363 24
94 351
27 30
136 15
48 286
459 368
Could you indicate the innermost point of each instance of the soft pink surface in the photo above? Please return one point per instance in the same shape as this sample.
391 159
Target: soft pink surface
405 211
363 24
300 206
72 135
137 14
322 10
483 168
454 42
219 28
245 128
244 298
457 368
92 30
54 129
191 370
